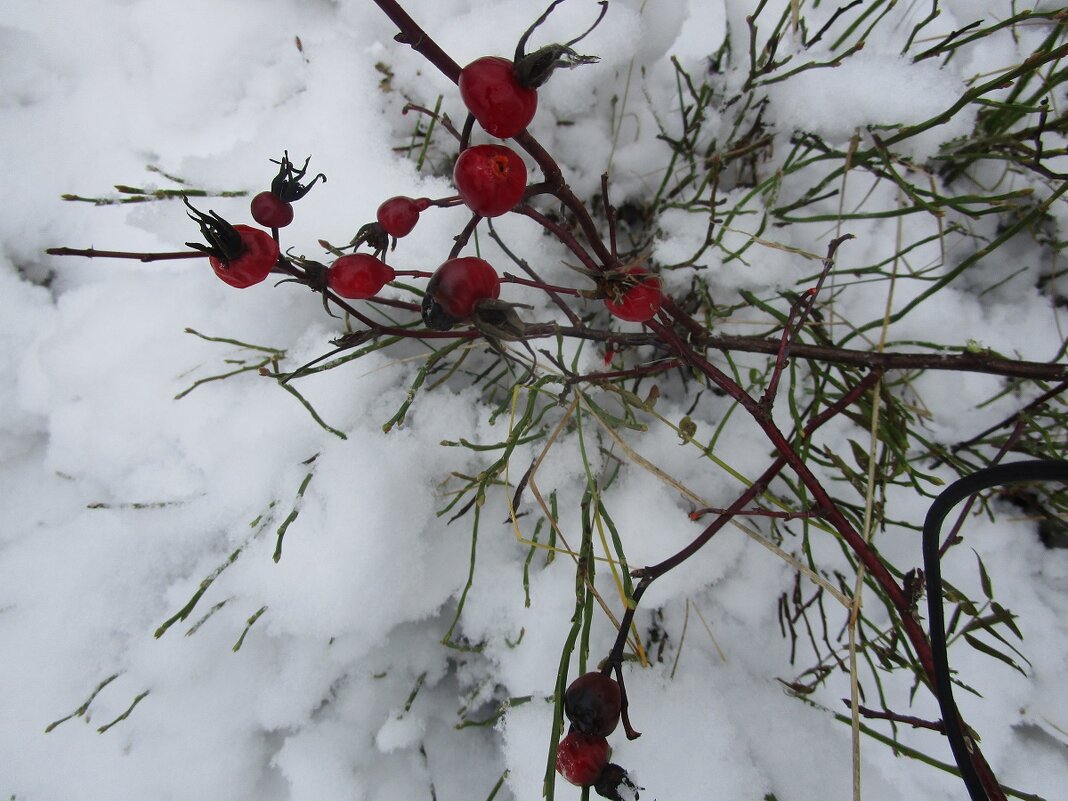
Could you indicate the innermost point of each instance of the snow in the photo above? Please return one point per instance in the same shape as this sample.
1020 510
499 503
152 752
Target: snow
323 675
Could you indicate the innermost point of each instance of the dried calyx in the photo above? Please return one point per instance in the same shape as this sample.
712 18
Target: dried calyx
535 68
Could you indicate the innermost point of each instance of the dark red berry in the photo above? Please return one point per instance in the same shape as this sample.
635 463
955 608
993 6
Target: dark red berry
398 215
271 211
634 296
581 758
358 276
491 179
274 209
455 289
493 94
592 703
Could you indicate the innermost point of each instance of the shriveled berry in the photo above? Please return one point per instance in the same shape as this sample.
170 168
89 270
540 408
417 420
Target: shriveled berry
636 296
592 703
398 215
271 211
490 179
358 276
455 289
581 758
492 92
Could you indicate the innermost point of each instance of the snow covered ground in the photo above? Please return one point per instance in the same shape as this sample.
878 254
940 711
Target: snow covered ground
119 500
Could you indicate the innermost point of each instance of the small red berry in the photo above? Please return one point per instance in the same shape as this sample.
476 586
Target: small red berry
491 179
455 289
274 209
271 211
254 263
581 758
398 215
492 92
240 254
635 298
592 703
358 276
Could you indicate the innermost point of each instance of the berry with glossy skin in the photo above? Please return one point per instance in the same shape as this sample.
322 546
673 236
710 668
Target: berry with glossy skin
581 758
490 179
636 297
239 254
455 289
274 209
398 215
270 210
492 92
592 703
358 276
255 262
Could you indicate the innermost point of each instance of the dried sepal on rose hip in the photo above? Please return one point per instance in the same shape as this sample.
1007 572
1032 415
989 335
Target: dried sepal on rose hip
633 295
239 254
592 703
616 785
358 276
274 209
455 289
491 179
581 757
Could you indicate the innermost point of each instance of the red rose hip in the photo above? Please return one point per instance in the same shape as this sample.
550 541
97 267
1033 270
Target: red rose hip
455 289
493 94
358 276
271 211
636 297
257 256
490 179
398 215
581 758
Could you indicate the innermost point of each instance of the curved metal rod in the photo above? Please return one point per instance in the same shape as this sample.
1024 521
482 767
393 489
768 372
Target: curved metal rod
1014 473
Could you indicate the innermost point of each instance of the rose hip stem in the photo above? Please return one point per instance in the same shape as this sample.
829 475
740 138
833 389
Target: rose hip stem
92 253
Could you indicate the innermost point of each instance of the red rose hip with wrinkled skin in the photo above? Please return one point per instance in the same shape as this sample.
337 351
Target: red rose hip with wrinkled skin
253 263
637 299
493 94
490 179
398 215
592 703
581 758
358 276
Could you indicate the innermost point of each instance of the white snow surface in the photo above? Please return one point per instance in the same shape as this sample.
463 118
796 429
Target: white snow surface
119 500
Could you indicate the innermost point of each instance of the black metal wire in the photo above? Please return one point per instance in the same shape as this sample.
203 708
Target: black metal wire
1014 473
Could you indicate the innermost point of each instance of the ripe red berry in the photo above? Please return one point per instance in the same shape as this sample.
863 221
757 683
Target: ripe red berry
580 757
271 211
592 703
636 297
398 215
455 289
493 94
358 276
258 255
491 179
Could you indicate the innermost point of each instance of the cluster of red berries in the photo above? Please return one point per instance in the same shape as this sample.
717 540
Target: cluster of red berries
592 703
491 179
